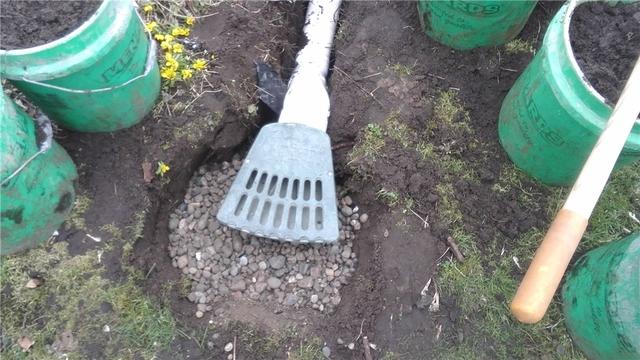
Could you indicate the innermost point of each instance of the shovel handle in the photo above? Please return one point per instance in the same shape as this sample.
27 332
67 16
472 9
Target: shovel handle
548 266
552 257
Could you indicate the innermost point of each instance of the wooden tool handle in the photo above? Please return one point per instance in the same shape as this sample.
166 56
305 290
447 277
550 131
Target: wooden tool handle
552 257
548 266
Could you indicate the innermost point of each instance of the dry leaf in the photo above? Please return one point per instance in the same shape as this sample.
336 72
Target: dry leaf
34 283
25 343
147 172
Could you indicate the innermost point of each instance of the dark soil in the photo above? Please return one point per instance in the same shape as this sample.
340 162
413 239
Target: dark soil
606 43
375 37
397 251
31 23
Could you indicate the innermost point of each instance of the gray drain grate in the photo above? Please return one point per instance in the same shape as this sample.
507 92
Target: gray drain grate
285 189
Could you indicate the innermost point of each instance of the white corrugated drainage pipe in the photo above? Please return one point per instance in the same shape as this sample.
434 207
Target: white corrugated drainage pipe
307 100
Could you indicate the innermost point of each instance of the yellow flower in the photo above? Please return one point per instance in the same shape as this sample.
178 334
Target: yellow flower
186 74
158 37
171 62
200 64
177 48
180 31
169 37
190 20
162 168
166 45
151 26
168 73
148 8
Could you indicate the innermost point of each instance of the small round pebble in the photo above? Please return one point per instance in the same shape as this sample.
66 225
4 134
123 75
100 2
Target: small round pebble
228 347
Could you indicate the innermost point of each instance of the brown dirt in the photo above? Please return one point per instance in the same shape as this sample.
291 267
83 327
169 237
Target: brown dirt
31 23
397 254
608 44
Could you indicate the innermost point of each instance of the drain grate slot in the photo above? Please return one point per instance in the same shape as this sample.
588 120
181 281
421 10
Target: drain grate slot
318 190
252 178
291 219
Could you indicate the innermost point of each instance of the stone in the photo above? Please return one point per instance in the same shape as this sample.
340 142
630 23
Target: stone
277 262
315 272
364 218
326 351
340 341
262 265
314 298
290 299
218 243
238 285
346 253
243 261
173 223
329 272
183 261
260 287
346 211
306 282
226 251
228 347
347 200
237 242
233 271
199 314
274 282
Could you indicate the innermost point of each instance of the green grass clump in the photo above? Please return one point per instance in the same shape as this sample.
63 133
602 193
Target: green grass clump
76 218
450 115
402 70
484 283
370 144
611 217
397 130
519 46
75 297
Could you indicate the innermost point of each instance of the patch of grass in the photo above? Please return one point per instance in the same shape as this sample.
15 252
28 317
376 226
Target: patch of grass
451 115
425 150
76 218
198 127
311 350
112 230
519 46
142 326
611 217
76 297
484 283
268 346
395 129
370 144
402 70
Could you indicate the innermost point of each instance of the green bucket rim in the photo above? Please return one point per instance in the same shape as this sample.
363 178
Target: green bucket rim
13 61
633 140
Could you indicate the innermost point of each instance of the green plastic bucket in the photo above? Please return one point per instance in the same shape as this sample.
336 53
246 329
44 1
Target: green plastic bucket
103 76
466 25
552 117
601 300
37 180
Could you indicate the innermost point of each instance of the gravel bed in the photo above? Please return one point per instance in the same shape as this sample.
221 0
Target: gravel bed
222 262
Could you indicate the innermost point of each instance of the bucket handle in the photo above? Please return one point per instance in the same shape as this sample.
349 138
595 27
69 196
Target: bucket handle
151 59
44 124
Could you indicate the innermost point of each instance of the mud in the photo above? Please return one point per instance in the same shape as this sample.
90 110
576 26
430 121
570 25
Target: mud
398 251
606 43
31 23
